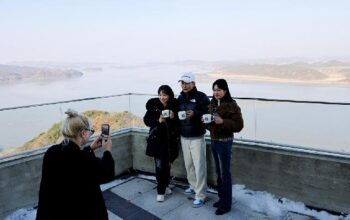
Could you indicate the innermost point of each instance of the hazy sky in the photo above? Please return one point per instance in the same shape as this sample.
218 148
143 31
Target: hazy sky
137 31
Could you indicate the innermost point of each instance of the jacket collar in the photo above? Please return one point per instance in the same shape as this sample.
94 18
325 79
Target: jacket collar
69 143
155 104
190 93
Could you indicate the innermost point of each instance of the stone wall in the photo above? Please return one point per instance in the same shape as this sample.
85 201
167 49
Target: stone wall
315 178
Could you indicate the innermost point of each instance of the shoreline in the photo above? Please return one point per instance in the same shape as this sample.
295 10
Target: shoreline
209 77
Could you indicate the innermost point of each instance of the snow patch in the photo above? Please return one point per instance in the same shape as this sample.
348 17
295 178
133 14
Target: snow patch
270 205
22 214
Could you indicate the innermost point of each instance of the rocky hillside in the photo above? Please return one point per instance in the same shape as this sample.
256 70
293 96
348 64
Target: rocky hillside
115 120
16 74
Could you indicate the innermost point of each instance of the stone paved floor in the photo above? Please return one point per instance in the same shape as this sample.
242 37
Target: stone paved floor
136 199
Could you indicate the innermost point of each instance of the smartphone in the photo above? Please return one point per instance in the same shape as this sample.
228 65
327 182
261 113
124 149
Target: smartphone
105 130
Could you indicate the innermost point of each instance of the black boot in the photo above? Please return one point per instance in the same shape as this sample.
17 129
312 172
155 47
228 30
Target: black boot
221 211
217 204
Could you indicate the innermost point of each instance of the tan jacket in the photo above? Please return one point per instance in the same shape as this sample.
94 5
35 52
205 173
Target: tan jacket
230 112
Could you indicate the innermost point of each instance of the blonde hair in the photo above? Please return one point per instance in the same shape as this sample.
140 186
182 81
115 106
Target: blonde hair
74 123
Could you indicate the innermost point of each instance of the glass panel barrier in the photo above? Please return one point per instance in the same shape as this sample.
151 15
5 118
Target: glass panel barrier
138 105
249 116
317 126
314 126
28 128
21 125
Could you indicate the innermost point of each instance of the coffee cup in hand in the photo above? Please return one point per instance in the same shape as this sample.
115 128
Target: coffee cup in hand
207 118
182 115
166 113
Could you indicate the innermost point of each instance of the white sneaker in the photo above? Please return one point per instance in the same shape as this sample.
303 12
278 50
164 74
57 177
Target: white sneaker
198 203
189 191
168 191
160 198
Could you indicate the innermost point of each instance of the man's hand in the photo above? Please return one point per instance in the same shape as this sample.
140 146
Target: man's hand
189 114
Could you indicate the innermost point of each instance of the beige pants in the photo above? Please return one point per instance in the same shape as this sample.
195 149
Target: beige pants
194 151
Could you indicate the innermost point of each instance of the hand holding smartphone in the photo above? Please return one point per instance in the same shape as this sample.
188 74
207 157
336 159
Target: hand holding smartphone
105 131
103 140
106 140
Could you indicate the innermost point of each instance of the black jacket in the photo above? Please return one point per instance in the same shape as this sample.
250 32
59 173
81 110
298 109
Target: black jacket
168 132
69 187
197 102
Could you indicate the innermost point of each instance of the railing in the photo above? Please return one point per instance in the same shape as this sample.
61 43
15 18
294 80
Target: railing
300 124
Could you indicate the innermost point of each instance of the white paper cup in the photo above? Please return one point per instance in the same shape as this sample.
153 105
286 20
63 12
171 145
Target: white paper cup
207 118
182 115
166 113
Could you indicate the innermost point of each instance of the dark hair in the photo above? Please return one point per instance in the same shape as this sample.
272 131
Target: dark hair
222 84
167 90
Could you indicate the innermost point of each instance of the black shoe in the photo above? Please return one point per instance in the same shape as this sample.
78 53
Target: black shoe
217 204
221 211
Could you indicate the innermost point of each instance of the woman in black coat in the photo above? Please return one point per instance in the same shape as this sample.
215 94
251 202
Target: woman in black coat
161 117
69 187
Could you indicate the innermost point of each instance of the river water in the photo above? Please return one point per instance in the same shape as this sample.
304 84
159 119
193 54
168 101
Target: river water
318 126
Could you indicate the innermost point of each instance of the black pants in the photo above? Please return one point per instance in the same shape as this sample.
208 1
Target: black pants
162 174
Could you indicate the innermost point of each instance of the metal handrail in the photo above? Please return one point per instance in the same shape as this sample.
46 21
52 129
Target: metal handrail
42 149
145 94
262 144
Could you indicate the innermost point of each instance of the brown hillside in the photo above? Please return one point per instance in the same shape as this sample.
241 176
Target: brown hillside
115 120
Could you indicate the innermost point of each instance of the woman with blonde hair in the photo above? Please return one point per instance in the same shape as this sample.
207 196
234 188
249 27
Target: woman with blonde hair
71 174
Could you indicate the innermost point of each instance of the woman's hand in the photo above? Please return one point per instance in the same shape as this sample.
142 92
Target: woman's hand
161 119
107 143
218 120
172 115
97 143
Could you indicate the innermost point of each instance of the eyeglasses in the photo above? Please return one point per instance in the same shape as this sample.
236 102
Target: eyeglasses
91 130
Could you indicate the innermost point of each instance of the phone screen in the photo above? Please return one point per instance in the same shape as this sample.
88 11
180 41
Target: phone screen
105 129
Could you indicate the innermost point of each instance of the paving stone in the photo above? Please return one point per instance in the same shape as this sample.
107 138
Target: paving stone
132 189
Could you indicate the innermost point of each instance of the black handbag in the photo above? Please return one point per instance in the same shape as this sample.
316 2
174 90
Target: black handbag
153 143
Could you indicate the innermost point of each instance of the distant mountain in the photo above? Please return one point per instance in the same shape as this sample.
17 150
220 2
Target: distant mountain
93 69
329 72
294 71
15 74
52 136
331 63
345 71
346 74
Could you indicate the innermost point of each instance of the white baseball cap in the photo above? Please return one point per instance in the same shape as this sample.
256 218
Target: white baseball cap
187 78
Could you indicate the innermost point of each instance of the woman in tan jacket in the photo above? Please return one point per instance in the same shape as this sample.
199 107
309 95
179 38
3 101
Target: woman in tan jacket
227 119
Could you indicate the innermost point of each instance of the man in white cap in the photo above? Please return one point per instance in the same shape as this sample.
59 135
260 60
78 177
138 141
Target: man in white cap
195 104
